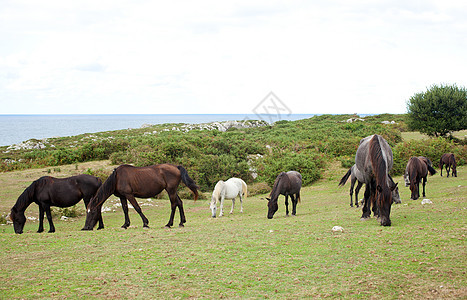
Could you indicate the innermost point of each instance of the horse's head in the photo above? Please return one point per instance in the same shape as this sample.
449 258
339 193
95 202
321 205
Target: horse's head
272 207
212 206
18 218
92 216
384 200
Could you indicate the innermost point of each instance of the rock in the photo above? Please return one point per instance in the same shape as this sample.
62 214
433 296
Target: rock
337 229
426 201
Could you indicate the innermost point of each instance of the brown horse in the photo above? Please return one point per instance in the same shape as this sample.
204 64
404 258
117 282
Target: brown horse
417 170
49 191
374 159
287 184
449 160
128 182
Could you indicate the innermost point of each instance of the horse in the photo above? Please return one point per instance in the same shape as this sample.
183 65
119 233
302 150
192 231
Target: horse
417 170
229 189
49 191
287 184
449 160
374 160
128 182
356 176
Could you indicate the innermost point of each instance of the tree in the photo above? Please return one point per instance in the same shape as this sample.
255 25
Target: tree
438 111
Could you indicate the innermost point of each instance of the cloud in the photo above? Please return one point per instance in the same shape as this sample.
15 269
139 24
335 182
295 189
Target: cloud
211 57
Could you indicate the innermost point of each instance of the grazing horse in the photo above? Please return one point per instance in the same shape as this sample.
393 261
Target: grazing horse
229 189
356 175
287 184
417 170
128 182
449 160
49 191
374 160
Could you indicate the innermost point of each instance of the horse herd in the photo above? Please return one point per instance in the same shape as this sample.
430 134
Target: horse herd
373 162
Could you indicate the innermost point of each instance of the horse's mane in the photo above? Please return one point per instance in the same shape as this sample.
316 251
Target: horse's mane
275 186
27 195
104 192
378 163
218 189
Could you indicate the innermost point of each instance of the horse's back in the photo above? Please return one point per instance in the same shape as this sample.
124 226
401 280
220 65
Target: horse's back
363 158
295 181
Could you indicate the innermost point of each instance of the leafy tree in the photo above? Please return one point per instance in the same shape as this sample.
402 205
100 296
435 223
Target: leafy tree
438 111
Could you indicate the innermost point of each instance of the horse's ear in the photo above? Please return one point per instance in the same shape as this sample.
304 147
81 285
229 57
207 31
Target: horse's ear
394 187
379 188
269 199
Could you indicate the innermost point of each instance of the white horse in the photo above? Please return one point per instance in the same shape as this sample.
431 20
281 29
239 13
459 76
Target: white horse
229 189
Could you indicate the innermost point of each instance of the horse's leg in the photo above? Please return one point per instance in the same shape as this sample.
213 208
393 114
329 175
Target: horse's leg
173 205
135 204
41 219
125 212
352 184
294 204
448 169
287 205
182 212
357 190
233 205
221 213
424 183
49 218
441 164
366 200
241 203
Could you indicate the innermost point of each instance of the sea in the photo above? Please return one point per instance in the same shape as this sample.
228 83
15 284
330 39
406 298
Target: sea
15 129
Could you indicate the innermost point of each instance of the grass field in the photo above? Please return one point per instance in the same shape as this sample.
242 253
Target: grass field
422 255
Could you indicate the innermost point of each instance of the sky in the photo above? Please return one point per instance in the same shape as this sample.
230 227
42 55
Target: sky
222 57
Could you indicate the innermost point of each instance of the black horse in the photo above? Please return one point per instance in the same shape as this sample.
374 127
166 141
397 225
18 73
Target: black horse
49 191
417 171
128 182
449 160
287 184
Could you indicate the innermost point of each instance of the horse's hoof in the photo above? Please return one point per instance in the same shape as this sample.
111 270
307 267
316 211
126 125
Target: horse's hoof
167 226
99 228
181 225
145 227
124 226
213 216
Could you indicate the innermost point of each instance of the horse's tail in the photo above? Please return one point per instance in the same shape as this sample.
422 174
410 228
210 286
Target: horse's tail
346 176
244 189
431 169
190 183
298 197
104 191
453 160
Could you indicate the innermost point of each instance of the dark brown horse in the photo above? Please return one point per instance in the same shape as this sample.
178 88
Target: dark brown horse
128 182
417 171
449 160
287 184
374 160
49 191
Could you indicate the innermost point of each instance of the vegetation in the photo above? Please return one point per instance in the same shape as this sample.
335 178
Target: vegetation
210 155
439 111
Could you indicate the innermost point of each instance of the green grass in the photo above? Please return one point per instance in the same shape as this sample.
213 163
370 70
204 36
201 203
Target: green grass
421 256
